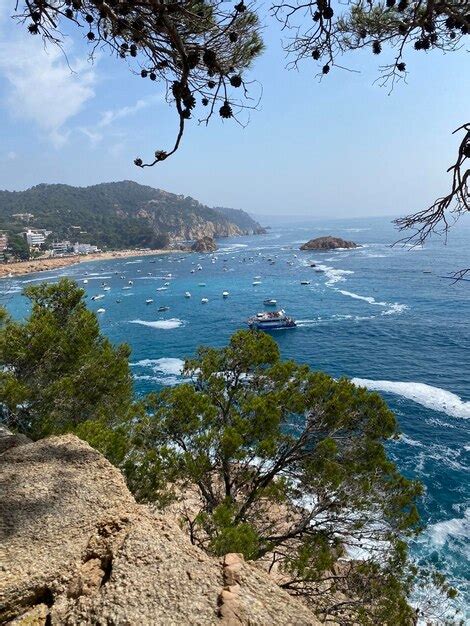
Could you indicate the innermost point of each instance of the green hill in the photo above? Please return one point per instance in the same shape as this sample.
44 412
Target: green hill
118 215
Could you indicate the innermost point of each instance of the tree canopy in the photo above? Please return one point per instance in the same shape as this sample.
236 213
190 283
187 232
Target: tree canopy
289 468
57 371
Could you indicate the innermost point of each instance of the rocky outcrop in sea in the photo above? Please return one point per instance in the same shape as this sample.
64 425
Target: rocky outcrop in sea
328 243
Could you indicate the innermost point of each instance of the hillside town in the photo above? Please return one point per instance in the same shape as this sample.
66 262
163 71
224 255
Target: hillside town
39 243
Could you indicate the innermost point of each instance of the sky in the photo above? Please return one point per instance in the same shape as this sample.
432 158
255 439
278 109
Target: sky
340 147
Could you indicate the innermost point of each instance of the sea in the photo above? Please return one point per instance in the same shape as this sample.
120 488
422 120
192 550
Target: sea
387 316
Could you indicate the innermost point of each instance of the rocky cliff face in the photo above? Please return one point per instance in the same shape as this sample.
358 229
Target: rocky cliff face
77 549
328 243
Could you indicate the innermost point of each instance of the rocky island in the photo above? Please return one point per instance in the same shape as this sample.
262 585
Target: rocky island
204 244
328 243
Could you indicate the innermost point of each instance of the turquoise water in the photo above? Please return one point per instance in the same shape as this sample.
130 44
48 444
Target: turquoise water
379 314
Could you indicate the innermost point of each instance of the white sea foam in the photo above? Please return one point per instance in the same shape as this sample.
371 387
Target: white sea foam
428 396
168 324
456 528
392 307
166 365
166 371
333 275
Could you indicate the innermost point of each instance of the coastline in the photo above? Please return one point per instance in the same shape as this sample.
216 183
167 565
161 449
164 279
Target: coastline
21 268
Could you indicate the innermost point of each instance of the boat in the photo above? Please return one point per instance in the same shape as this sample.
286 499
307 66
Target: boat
130 282
162 288
270 302
305 282
187 294
97 297
201 284
85 282
256 282
166 284
118 301
106 288
271 320
127 287
101 310
204 300
149 301
162 309
225 294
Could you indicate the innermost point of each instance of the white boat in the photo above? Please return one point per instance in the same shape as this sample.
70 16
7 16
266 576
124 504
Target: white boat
106 288
130 282
162 288
225 294
97 297
101 310
305 282
271 320
166 284
149 301
85 282
204 300
270 302
201 284
161 309
257 277
187 294
256 282
127 287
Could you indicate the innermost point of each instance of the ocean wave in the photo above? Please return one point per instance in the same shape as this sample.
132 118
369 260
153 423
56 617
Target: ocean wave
166 371
333 275
168 324
456 528
430 397
392 307
165 365
43 279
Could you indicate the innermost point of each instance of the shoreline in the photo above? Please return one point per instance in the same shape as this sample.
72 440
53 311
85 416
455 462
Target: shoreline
23 268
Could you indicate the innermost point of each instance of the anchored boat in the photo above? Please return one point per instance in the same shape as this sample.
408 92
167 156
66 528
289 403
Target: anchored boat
270 302
271 320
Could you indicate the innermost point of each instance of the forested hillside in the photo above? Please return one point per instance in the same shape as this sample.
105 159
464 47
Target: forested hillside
118 215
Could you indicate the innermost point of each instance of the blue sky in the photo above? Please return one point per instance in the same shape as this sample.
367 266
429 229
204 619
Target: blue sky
342 147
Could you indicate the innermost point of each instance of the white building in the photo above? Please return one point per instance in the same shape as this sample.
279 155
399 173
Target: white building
84 248
36 237
61 247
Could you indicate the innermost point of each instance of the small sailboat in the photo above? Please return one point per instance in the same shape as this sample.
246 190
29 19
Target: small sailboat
149 301
204 300
187 294
225 294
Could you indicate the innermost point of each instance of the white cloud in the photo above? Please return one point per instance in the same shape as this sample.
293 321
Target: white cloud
41 87
109 117
11 156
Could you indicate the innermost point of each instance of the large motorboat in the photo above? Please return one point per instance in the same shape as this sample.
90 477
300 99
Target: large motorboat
271 320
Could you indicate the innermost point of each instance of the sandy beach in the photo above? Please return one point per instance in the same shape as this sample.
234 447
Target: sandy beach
43 265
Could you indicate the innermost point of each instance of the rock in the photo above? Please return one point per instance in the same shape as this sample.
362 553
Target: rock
77 549
205 244
328 243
